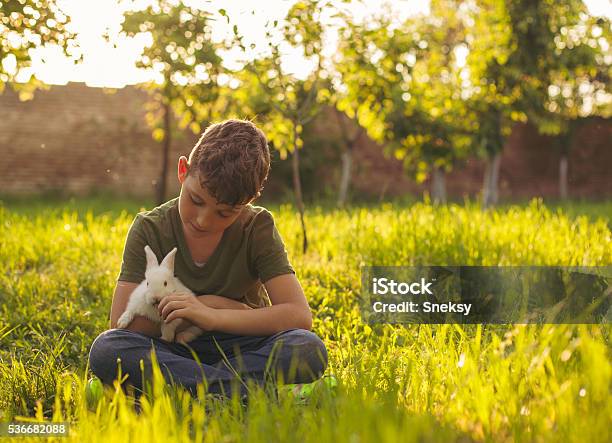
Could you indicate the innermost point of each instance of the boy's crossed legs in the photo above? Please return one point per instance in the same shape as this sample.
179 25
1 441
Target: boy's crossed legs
296 355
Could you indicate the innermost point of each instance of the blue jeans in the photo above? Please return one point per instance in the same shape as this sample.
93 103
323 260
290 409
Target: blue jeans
296 355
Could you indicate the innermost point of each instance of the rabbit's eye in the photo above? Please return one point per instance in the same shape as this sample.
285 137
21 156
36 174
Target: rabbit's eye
147 283
165 283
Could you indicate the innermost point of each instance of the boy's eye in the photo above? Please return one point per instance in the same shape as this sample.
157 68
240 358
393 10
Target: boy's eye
199 203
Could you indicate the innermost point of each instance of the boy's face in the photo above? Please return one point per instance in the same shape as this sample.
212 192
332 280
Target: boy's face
200 213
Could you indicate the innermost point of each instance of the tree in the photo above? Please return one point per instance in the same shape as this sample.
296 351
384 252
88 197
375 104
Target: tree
349 137
367 81
402 84
294 101
491 96
495 86
187 66
532 51
358 90
26 25
436 130
573 78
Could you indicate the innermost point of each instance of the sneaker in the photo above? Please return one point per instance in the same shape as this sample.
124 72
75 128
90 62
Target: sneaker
302 392
94 391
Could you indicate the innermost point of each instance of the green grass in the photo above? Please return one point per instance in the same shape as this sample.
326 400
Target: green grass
397 383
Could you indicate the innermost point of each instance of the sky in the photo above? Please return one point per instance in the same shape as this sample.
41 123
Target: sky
105 65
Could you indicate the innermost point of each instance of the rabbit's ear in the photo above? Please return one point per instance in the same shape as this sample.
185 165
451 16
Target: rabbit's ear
168 260
151 258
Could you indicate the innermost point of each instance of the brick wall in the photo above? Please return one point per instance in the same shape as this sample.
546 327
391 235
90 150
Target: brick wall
76 139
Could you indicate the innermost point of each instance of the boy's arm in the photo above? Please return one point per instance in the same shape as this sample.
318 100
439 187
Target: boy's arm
289 310
123 290
220 302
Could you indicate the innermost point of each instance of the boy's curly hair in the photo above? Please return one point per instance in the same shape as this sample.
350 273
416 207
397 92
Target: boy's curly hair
233 161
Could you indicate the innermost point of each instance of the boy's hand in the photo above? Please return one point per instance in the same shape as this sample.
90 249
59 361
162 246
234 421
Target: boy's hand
183 325
187 307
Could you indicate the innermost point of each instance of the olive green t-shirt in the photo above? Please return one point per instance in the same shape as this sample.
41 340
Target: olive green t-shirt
250 252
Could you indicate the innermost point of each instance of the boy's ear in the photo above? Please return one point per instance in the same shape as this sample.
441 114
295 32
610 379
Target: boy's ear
151 258
168 260
183 168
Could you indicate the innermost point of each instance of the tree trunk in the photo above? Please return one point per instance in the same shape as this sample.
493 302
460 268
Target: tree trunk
491 179
438 186
297 187
347 157
563 177
383 191
495 178
347 164
167 141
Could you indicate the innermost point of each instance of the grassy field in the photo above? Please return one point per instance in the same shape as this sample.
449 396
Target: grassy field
397 383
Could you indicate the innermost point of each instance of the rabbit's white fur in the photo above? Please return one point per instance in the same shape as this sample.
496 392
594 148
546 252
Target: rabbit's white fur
159 281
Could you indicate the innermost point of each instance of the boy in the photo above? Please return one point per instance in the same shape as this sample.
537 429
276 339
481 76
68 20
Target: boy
228 251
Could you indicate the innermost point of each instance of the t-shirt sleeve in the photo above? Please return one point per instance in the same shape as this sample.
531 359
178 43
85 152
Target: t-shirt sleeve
268 253
134 262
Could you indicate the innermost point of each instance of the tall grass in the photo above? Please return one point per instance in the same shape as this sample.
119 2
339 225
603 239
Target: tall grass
397 383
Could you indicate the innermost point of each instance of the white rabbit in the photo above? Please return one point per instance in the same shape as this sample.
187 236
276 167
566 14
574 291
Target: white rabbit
159 281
